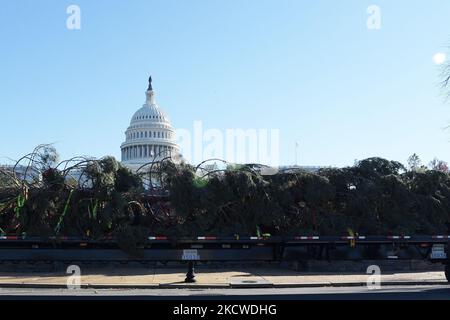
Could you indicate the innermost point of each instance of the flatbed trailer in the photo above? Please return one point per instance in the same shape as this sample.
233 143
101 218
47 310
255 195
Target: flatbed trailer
73 250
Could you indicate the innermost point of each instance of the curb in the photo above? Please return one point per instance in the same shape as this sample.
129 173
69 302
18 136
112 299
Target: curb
221 286
360 284
191 286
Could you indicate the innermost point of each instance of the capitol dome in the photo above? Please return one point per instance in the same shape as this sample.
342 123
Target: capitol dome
149 112
150 136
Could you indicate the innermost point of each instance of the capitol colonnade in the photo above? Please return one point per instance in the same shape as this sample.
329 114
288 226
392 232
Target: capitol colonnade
145 151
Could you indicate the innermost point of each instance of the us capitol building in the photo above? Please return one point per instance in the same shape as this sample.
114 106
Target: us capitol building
150 136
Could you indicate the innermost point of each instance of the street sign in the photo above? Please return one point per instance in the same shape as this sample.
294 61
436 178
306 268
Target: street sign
190 255
438 252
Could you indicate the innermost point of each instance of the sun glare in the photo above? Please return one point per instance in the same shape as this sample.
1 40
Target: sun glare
439 58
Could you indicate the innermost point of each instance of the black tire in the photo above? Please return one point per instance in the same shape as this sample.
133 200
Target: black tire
447 271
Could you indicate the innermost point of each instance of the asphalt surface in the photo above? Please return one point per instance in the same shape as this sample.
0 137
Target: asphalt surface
434 292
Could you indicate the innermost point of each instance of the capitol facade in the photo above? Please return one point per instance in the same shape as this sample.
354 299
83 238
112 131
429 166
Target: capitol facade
150 136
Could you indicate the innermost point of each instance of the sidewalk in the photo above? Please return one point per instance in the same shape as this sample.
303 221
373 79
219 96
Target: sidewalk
217 278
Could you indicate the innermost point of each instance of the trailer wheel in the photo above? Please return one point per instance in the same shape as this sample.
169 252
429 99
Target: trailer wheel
447 272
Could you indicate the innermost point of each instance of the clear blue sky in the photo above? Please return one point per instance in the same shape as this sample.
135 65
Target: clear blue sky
310 68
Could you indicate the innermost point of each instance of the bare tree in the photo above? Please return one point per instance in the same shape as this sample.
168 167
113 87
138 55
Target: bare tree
439 165
414 162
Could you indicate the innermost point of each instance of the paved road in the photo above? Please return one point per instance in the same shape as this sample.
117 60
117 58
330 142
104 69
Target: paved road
322 293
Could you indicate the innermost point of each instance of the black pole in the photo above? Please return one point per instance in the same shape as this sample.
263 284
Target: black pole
190 275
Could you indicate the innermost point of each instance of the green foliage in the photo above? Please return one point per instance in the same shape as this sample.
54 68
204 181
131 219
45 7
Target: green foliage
375 196
125 180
